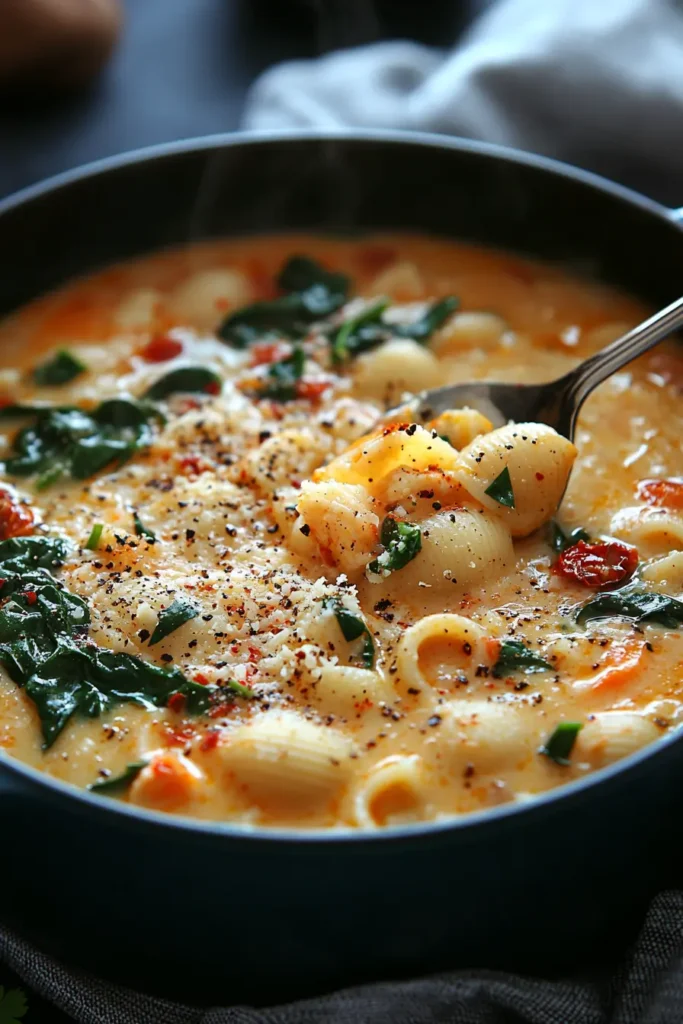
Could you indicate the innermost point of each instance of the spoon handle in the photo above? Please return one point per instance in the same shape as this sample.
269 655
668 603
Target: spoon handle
580 382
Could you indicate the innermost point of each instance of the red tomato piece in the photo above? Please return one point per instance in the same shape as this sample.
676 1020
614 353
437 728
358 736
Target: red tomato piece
161 349
311 390
665 493
268 352
598 565
16 520
176 702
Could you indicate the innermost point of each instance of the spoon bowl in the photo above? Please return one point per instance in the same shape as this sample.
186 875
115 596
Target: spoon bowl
556 403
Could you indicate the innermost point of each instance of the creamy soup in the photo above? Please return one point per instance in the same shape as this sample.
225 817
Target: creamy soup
228 591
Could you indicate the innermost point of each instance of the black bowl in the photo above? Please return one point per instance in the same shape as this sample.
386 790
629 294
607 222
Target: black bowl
216 912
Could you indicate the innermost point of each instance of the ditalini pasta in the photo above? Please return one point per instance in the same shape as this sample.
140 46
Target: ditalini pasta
234 586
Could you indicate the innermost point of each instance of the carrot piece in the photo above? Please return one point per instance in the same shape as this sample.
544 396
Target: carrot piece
623 665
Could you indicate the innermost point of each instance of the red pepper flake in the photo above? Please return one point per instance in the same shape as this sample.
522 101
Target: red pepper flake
176 702
209 742
221 709
540 476
201 679
212 388
254 654
160 349
193 465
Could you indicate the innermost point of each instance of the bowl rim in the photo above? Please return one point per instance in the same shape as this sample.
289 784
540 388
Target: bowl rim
72 797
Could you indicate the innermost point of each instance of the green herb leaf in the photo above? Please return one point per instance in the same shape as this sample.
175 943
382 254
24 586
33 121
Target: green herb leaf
352 627
171 618
560 541
239 689
361 333
116 784
313 294
423 328
501 489
515 657
13 1005
186 379
142 530
19 411
24 554
280 384
62 368
559 746
70 441
45 648
402 542
635 604
94 538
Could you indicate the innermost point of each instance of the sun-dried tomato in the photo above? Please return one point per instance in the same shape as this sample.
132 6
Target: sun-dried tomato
598 565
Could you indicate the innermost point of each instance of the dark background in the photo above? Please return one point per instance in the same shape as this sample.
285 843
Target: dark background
183 68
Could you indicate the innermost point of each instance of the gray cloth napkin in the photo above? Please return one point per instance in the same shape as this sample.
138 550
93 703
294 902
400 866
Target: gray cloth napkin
647 988
598 83
595 82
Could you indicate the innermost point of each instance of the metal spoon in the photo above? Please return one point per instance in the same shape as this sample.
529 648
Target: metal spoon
556 403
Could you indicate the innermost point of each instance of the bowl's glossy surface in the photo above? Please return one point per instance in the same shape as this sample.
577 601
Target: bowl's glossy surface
215 912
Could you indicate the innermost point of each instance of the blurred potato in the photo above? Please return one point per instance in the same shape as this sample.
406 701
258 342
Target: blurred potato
56 43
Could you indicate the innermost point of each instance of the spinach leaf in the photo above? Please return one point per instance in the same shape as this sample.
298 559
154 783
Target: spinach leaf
23 554
559 746
352 628
280 384
142 530
116 784
325 290
560 541
177 613
515 657
402 542
186 379
631 603
64 440
45 648
94 538
20 411
313 294
501 489
62 368
361 333
423 328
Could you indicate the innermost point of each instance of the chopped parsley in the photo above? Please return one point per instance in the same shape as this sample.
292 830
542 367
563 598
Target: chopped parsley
353 627
402 542
561 743
116 784
501 489
186 379
62 368
142 530
560 541
171 618
515 657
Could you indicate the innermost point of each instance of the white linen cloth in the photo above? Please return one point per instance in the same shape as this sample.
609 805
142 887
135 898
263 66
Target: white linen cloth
598 83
